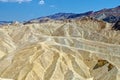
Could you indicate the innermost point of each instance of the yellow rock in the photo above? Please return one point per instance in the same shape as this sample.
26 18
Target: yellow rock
60 50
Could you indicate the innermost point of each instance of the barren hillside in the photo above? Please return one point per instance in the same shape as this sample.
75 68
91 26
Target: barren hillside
80 49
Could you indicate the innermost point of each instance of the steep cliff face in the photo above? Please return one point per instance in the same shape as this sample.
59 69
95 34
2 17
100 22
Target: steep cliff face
84 49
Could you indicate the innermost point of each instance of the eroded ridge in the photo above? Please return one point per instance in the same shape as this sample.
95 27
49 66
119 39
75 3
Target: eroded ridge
81 49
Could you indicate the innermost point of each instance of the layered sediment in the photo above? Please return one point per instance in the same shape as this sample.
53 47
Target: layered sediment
80 49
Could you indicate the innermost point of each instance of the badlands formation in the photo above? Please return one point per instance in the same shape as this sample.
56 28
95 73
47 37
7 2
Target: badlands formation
80 49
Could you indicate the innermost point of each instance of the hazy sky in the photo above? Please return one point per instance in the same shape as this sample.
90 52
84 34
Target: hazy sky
21 10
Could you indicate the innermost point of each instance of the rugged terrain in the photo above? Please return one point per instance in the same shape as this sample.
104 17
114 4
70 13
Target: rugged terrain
110 15
80 49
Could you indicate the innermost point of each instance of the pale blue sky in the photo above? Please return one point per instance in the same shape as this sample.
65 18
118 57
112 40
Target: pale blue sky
21 10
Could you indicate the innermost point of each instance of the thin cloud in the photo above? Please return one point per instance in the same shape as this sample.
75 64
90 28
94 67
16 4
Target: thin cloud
19 1
41 2
52 6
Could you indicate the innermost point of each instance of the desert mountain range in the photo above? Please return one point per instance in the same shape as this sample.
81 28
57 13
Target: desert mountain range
109 15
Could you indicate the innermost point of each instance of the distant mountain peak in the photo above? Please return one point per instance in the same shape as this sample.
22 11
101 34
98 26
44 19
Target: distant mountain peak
109 15
118 7
5 22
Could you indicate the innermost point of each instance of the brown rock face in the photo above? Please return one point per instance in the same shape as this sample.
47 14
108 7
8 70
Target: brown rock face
85 49
116 26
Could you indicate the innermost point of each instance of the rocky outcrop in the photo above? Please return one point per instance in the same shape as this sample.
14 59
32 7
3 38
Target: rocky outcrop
81 49
116 25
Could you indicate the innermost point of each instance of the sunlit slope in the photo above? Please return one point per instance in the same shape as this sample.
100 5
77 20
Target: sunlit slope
81 49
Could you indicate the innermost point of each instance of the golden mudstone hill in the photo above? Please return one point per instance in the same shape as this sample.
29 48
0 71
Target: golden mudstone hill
80 49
